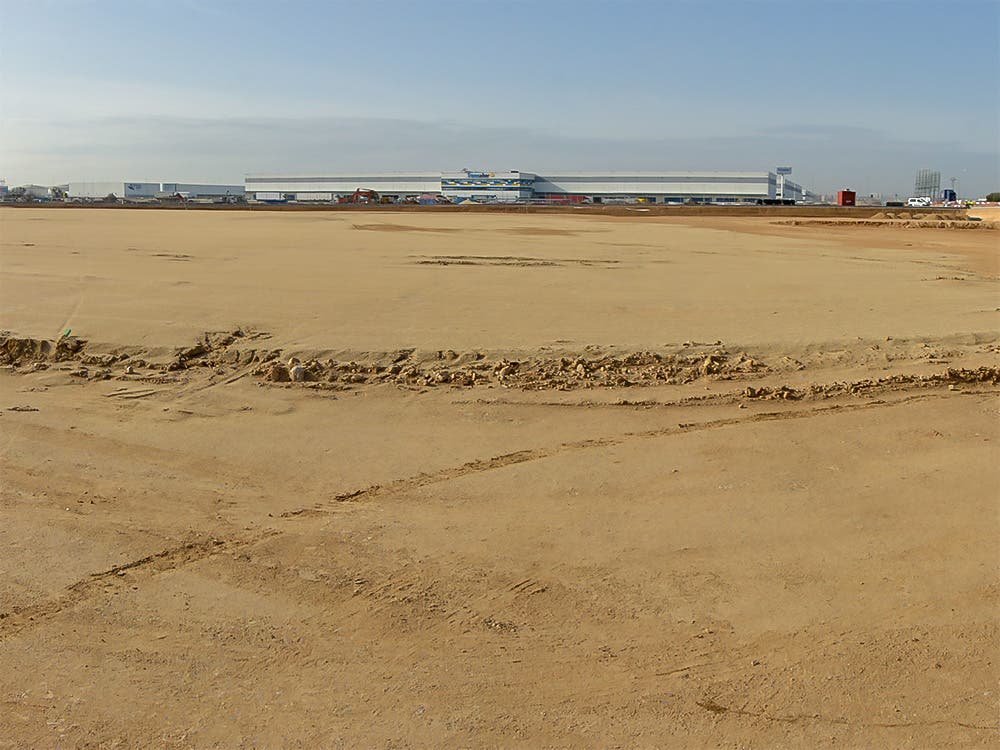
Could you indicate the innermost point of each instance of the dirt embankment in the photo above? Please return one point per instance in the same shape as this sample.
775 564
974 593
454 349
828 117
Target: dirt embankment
234 355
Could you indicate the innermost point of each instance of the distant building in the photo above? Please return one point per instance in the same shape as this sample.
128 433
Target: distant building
121 190
194 190
304 187
135 189
35 191
488 186
515 185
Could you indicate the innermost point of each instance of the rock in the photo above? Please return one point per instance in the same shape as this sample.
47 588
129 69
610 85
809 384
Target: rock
292 362
297 373
278 374
195 351
129 370
70 344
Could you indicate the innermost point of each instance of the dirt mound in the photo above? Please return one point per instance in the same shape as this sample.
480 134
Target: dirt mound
15 351
564 373
917 223
405 367
950 377
213 349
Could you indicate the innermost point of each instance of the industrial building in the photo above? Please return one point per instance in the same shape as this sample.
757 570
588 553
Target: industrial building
117 189
394 184
35 191
515 185
195 190
135 189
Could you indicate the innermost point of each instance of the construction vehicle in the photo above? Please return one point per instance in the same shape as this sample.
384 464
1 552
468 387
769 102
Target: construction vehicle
359 196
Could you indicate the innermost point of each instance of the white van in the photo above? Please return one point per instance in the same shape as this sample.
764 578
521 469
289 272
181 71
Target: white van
919 202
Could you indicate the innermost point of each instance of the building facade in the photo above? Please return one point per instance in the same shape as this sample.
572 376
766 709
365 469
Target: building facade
667 187
306 188
196 190
135 189
517 186
503 187
121 190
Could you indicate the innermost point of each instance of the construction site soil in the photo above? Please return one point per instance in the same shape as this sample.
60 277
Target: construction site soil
467 477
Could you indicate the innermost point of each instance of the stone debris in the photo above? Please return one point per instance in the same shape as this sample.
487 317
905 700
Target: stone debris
406 368
899 221
950 377
278 374
564 373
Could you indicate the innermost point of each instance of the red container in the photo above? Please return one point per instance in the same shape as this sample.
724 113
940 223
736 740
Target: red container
846 197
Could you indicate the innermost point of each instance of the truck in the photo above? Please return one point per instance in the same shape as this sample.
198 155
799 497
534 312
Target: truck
361 195
270 197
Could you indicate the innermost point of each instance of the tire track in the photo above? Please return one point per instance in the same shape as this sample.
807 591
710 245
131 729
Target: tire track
18 618
716 708
523 456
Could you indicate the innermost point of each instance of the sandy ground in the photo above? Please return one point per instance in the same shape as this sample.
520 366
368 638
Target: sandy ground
548 481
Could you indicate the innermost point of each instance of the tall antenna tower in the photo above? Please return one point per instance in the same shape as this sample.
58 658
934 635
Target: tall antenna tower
927 184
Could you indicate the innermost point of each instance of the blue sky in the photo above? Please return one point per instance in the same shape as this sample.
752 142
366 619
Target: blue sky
849 93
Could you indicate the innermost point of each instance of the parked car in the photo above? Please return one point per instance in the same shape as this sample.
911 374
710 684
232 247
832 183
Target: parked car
919 202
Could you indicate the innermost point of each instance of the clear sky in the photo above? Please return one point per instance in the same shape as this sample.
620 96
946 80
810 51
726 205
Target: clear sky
849 93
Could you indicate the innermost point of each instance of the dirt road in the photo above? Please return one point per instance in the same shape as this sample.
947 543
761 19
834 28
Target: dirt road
544 482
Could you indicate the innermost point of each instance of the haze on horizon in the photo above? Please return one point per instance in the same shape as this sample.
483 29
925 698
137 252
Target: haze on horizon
851 94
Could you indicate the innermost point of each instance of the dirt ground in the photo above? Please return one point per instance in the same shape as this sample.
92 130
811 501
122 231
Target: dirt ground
307 480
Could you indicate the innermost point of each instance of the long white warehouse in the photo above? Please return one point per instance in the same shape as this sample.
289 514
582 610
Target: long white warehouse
295 187
137 189
197 190
117 189
515 185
